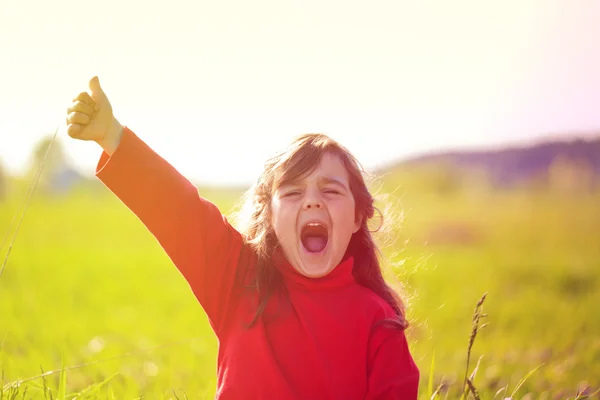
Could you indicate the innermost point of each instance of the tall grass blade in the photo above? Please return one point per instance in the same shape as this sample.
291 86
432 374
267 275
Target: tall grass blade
504 389
35 181
62 382
522 381
430 383
47 391
94 388
14 392
111 393
473 389
24 393
474 373
581 396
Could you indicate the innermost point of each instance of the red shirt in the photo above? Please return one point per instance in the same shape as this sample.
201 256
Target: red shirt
318 341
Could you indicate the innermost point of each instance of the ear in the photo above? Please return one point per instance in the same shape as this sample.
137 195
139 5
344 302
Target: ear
357 223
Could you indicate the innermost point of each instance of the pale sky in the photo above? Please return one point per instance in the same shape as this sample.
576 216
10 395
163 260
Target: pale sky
389 79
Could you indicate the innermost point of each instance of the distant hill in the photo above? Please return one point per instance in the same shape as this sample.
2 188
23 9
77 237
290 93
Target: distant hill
511 165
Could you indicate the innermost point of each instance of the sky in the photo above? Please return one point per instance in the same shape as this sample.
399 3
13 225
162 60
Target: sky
215 87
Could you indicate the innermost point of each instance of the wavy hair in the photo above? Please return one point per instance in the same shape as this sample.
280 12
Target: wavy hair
298 160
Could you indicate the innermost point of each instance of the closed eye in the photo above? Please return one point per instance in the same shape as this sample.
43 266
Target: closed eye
332 191
292 193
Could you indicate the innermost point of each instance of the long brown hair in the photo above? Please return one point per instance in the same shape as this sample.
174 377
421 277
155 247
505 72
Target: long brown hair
299 159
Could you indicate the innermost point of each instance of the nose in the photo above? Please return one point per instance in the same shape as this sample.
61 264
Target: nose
309 205
312 200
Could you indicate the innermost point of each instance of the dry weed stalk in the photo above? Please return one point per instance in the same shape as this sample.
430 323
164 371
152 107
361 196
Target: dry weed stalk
468 381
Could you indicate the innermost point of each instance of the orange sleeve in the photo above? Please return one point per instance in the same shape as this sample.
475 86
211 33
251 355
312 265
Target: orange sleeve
392 372
198 239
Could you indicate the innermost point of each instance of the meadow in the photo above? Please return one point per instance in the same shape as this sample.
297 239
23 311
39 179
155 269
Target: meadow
86 287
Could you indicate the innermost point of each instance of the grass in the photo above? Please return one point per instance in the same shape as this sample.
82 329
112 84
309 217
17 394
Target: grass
91 307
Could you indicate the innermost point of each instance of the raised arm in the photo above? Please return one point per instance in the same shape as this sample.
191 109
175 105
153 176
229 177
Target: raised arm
193 232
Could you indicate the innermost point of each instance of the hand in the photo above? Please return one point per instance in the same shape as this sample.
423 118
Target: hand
90 117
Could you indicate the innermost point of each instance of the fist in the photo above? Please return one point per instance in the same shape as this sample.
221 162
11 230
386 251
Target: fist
90 116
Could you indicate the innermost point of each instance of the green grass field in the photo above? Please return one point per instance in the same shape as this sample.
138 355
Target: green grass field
87 287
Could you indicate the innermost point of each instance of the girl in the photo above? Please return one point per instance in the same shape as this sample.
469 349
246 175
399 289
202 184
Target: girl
297 299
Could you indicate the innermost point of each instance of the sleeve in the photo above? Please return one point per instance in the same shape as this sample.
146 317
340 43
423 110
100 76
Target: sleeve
392 372
200 242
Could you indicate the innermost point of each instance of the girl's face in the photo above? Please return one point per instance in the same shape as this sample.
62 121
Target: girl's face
314 218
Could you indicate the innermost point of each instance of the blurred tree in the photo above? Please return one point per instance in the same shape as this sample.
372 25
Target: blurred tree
55 151
51 155
442 178
447 179
567 175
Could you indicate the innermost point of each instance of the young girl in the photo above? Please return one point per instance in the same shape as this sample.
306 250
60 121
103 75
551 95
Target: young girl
297 299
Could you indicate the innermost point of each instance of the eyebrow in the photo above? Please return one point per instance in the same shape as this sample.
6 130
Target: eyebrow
335 181
329 180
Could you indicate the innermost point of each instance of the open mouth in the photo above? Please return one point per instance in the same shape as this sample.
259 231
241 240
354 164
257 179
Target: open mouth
314 237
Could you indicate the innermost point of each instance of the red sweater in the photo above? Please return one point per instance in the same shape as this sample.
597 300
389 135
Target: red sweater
318 341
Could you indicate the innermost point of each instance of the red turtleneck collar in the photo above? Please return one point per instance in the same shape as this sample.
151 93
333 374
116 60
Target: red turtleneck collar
340 276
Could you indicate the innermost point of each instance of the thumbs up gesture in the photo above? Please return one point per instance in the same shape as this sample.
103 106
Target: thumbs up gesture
90 117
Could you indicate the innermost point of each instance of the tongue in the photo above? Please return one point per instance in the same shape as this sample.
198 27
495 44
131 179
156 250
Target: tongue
315 244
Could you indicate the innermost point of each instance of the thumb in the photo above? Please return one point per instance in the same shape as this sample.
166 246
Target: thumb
97 92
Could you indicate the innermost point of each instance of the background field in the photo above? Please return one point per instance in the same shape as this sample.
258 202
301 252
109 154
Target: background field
86 282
